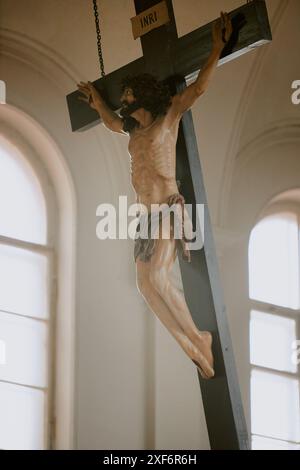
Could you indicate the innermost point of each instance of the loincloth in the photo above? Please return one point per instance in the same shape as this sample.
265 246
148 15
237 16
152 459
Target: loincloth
144 245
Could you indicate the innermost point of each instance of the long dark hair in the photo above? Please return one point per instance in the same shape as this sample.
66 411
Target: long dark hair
151 94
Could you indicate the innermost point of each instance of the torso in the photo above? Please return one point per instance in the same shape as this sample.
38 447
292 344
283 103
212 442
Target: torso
153 161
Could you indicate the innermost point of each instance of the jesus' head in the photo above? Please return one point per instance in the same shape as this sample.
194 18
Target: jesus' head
143 91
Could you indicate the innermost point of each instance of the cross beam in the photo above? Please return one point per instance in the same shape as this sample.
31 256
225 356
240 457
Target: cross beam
189 53
176 59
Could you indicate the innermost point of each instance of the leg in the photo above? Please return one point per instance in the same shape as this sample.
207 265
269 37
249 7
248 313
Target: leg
161 310
160 265
169 304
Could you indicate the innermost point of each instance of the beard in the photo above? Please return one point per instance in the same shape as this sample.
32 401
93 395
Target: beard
128 109
125 112
129 124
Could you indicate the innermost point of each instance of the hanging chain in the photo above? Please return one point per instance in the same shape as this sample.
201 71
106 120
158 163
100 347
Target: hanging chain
98 38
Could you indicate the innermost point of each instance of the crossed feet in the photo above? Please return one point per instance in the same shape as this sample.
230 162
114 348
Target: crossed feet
202 356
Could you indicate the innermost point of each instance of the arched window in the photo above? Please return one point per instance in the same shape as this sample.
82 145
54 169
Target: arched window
274 291
26 308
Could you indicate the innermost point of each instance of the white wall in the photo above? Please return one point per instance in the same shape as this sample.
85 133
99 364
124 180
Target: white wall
127 365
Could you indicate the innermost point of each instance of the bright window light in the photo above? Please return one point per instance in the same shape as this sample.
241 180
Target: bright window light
23 281
22 411
274 261
275 406
271 338
22 203
265 443
26 348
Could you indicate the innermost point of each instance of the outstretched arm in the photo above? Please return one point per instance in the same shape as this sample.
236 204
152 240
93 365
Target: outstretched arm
184 100
110 119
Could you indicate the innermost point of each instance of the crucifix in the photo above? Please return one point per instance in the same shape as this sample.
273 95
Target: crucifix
177 60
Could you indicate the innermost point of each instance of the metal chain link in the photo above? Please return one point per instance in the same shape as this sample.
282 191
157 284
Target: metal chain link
99 46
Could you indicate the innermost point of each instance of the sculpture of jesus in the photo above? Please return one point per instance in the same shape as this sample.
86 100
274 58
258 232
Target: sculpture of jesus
151 117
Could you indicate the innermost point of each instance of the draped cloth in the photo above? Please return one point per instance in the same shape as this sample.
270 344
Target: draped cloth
144 245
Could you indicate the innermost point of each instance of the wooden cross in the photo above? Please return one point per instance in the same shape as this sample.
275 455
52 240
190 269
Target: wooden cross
177 59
